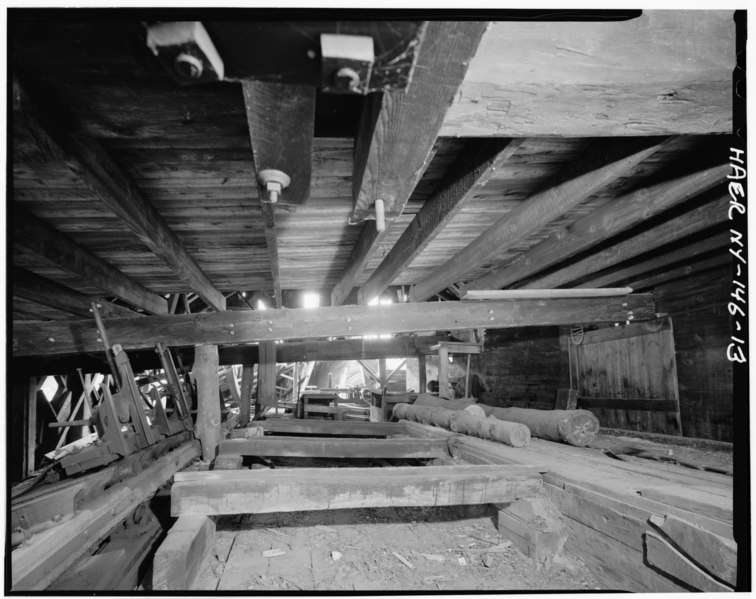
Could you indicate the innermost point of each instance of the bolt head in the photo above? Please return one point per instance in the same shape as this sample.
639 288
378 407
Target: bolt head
346 79
188 66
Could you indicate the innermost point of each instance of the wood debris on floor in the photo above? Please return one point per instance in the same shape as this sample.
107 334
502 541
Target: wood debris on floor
453 548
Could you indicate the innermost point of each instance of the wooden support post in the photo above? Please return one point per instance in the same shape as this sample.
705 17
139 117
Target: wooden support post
444 388
30 427
534 526
179 559
422 374
382 372
266 375
245 404
284 490
208 427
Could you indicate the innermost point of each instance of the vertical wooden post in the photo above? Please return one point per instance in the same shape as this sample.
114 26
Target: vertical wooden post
444 390
266 374
30 427
423 380
208 427
382 372
245 401
467 377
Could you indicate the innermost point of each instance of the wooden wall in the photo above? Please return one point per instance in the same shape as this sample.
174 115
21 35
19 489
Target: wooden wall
698 307
523 367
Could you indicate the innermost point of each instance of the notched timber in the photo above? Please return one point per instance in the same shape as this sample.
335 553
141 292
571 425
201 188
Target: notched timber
43 338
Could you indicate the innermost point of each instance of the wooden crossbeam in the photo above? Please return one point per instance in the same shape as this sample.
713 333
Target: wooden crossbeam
597 169
465 180
321 428
500 294
32 287
89 160
328 447
44 240
618 215
284 490
694 221
669 82
686 254
34 338
395 141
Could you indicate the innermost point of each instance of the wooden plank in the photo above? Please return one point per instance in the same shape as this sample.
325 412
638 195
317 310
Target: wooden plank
628 331
613 217
207 425
245 491
88 159
180 557
498 294
395 142
618 403
266 375
327 447
561 78
463 181
708 504
697 220
396 146
44 240
49 554
245 401
35 338
281 121
663 556
601 166
32 287
320 428
715 554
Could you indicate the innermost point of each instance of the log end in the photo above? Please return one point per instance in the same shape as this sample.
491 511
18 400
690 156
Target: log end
579 428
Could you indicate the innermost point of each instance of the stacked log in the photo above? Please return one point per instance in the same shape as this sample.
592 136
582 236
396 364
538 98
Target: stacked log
460 421
576 427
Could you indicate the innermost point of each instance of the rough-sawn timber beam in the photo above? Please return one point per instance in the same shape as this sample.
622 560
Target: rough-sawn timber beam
43 338
284 490
44 240
89 160
667 72
699 219
32 287
395 141
597 169
618 215
325 447
461 185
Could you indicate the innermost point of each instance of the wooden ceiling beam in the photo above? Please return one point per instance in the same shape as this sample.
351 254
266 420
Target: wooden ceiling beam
602 165
465 180
281 123
663 73
683 271
397 133
88 159
696 220
687 254
34 288
46 241
232 327
613 217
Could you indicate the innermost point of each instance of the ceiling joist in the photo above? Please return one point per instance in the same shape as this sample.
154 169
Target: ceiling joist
599 167
699 219
461 185
610 219
88 159
44 240
396 137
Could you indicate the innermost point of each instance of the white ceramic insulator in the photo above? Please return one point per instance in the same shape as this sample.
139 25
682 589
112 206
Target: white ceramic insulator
380 216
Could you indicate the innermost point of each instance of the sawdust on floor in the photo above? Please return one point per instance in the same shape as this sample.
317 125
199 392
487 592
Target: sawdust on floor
422 549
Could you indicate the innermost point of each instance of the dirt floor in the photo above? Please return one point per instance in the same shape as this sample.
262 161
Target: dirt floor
422 549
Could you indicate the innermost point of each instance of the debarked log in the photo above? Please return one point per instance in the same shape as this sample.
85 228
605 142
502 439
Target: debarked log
511 433
576 427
